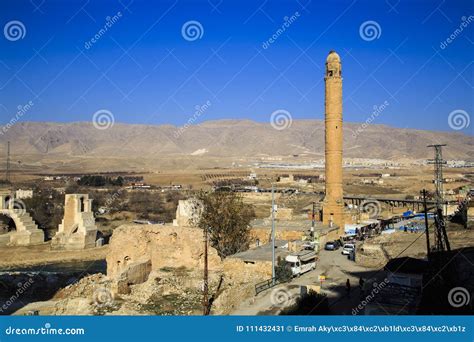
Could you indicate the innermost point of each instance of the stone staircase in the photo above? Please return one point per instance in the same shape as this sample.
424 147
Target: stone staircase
27 232
23 220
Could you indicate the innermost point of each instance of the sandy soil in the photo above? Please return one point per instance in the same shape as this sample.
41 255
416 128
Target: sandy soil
12 257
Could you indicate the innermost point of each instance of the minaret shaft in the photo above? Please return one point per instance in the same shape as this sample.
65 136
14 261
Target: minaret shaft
333 206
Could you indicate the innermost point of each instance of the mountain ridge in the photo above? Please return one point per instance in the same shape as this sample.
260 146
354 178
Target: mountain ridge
44 141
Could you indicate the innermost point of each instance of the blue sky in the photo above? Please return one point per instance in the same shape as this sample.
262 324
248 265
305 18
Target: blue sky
143 70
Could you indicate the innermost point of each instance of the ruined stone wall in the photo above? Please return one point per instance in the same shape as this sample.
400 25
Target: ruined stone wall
151 257
263 235
240 279
164 246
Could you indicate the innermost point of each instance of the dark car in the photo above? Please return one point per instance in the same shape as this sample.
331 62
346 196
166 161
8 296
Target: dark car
331 246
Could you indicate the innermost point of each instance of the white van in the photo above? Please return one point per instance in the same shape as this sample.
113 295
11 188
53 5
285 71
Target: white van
301 262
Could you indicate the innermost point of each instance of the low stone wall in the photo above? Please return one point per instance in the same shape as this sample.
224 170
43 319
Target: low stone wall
240 279
263 235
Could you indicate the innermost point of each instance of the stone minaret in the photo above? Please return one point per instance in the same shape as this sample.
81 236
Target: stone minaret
333 206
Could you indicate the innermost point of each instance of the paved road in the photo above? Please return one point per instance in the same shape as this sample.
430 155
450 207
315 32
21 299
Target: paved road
337 269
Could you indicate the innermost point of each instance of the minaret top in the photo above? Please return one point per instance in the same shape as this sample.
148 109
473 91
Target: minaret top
333 66
333 57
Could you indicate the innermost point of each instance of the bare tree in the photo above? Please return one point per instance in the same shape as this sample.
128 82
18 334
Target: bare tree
228 219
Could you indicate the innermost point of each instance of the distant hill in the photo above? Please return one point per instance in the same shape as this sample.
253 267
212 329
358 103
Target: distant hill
41 145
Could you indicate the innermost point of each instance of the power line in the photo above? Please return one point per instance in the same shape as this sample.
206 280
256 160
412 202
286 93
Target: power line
7 172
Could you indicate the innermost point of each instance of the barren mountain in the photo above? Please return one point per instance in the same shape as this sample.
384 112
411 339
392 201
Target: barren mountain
39 145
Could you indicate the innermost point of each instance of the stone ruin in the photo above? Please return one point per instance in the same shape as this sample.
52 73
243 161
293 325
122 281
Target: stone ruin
27 232
187 213
77 229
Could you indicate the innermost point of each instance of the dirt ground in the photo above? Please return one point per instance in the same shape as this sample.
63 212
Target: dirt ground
377 251
16 257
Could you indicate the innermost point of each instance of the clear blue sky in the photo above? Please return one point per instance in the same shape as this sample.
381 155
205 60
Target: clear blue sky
144 71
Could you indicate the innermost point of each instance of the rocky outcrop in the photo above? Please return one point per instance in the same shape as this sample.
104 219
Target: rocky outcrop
158 270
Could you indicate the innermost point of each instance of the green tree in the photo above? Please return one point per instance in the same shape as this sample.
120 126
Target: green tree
228 219
283 271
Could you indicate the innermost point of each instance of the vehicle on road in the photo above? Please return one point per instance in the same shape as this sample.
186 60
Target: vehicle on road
301 262
348 248
309 246
331 246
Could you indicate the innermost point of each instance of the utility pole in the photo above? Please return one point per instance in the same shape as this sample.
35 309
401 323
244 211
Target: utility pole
428 252
273 233
7 172
205 287
313 219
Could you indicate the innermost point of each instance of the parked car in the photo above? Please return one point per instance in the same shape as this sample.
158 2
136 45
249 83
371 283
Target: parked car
348 248
331 246
309 246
